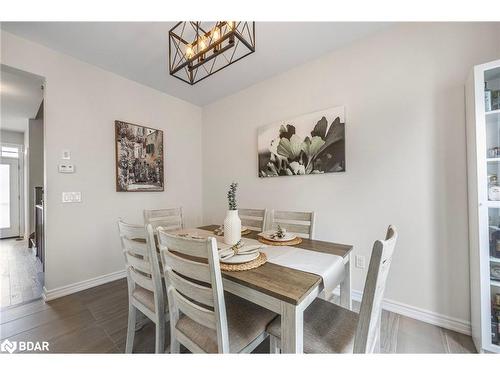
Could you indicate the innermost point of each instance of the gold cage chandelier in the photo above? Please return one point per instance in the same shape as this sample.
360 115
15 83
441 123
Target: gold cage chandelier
199 49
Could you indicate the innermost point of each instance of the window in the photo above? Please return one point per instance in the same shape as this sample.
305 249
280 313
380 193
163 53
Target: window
10 152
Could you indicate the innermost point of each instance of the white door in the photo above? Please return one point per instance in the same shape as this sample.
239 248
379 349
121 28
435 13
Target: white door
9 192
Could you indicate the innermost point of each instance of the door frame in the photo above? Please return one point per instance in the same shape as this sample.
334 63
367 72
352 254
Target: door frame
20 182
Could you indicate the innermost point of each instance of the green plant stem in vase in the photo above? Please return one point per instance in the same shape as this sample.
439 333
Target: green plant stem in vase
231 196
232 222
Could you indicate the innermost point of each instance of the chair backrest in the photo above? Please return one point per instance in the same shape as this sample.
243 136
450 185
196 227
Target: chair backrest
368 329
194 282
141 262
168 218
300 223
253 219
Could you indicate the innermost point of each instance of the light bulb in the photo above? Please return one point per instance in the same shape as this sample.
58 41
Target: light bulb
215 34
202 43
189 51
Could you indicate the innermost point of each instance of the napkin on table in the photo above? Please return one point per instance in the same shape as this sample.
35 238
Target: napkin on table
229 252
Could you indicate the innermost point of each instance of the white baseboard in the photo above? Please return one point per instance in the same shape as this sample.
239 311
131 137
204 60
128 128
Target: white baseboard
417 313
49 295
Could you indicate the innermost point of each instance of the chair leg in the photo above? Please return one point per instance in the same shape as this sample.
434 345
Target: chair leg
274 345
132 313
140 321
377 348
175 346
160 335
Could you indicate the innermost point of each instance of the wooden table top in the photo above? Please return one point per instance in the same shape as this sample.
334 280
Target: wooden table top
284 283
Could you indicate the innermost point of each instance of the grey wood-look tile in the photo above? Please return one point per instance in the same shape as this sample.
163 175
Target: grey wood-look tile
92 339
389 327
107 307
458 343
58 309
115 325
53 330
95 321
12 313
419 337
21 272
144 341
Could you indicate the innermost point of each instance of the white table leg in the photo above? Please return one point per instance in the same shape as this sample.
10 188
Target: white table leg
345 285
292 328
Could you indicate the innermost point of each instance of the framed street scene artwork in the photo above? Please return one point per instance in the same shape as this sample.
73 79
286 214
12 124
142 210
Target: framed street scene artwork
139 158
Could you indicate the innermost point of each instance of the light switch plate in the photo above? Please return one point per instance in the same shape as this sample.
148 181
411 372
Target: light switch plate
66 155
71 197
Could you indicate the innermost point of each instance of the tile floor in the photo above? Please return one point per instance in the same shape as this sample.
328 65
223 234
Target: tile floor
95 321
21 273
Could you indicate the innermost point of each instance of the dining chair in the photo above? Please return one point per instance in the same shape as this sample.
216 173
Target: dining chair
329 328
168 218
211 321
254 219
300 223
145 289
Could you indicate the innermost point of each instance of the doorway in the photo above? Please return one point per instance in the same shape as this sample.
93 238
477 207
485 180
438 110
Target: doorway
21 187
10 190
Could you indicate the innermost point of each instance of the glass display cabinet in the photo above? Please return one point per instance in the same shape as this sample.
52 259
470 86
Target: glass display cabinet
483 170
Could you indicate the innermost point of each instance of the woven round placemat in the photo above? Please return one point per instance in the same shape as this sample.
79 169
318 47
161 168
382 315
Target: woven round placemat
295 241
257 262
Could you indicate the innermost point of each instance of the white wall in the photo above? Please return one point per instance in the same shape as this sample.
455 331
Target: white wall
403 90
9 136
81 104
35 154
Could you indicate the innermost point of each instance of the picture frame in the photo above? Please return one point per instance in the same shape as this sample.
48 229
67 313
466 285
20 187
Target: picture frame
312 143
139 158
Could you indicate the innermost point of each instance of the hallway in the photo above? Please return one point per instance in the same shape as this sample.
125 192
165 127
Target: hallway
21 273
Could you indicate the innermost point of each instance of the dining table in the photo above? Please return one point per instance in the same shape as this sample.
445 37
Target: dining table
288 290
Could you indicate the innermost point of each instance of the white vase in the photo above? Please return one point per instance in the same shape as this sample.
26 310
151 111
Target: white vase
232 227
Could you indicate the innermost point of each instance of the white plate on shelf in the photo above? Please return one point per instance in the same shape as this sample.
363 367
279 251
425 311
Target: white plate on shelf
268 236
238 259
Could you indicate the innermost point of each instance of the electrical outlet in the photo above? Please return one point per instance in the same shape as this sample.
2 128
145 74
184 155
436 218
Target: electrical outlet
359 262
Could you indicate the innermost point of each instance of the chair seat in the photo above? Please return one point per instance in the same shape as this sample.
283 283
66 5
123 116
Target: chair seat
245 320
328 328
144 297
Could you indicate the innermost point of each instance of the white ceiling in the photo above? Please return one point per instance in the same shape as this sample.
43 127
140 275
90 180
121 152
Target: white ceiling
139 50
20 95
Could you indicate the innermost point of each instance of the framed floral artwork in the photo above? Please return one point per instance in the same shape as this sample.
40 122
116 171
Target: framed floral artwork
309 144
